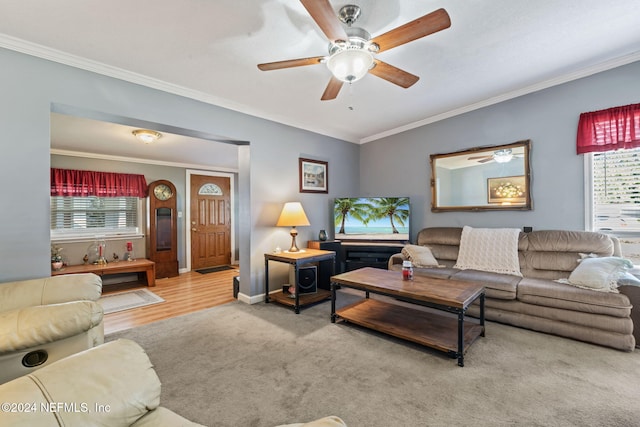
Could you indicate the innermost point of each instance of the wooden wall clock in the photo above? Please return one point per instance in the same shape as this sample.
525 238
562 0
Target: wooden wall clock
162 228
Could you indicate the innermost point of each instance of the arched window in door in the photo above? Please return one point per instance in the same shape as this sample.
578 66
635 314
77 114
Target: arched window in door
210 190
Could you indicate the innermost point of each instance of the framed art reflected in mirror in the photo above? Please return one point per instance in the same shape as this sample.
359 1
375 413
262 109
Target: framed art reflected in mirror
509 190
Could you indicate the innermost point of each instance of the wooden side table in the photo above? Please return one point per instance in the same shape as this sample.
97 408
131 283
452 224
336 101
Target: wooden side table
145 266
298 259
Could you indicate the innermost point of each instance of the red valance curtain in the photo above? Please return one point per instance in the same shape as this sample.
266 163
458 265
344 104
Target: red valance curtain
78 183
610 129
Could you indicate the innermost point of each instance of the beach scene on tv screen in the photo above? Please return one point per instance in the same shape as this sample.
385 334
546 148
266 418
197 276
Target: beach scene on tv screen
372 218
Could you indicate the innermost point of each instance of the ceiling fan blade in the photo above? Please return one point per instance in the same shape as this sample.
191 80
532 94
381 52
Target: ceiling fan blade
326 18
332 90
393 74
485 160
479 157
290 63
428 24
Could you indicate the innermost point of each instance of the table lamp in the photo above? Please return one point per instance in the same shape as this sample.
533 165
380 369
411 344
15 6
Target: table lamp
292 215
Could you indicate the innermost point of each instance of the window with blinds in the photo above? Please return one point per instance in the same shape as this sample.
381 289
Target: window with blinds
78 217
616 191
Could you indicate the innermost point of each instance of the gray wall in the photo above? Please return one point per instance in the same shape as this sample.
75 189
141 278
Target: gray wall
548 117
29 86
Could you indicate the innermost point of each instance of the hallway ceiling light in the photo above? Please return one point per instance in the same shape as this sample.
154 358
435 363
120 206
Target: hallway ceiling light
146 136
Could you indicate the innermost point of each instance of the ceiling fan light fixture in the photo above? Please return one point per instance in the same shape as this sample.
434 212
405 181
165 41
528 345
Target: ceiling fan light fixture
147 136
351 64
503 156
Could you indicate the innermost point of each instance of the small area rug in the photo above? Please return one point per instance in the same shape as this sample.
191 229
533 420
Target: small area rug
129 299
215 269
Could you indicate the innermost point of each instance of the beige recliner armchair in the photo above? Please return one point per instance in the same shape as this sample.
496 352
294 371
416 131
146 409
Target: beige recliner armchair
113 384
44 320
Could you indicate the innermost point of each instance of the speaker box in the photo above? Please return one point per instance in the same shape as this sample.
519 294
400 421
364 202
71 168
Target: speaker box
307 279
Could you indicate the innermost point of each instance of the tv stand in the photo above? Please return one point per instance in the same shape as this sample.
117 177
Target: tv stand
351 255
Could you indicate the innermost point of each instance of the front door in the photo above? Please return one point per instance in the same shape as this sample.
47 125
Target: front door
210 221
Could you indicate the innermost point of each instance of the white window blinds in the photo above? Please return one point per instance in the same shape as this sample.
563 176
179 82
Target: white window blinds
90 216
616 191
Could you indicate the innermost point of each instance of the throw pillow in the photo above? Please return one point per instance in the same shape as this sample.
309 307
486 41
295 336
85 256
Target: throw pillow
599 274
420 256
628 279
489 249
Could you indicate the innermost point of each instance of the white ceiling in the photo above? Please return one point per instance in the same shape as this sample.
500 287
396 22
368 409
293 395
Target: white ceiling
208 49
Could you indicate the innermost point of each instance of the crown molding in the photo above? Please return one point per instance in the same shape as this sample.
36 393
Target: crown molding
33 49
565 78
54 55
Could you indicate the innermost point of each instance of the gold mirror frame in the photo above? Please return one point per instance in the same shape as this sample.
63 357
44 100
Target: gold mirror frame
477 180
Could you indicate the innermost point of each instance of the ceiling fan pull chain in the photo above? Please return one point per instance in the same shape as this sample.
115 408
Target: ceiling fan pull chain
351 97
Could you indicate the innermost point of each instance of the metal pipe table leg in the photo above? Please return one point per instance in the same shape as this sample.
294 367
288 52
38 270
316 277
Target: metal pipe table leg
296 306
333 302
461 338
266 280
482 313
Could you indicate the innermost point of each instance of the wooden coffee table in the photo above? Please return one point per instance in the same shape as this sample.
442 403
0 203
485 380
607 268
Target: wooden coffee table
451 334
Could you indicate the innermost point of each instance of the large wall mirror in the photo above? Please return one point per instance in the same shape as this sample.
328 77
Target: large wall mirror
482 178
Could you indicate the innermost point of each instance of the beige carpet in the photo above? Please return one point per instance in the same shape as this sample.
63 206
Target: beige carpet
262 365
126 300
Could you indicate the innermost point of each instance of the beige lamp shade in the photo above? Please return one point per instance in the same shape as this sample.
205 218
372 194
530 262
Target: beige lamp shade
292 215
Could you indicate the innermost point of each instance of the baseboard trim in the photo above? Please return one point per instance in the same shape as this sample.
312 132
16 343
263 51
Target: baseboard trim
250 300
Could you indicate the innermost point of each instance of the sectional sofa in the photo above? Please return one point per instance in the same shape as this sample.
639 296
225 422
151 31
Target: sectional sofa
536 298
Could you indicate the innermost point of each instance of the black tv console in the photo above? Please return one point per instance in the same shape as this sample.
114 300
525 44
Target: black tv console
354 255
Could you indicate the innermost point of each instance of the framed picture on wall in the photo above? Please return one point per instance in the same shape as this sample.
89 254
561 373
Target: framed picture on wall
508 190
314 176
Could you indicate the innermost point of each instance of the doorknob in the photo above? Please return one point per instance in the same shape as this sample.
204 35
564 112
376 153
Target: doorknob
194 229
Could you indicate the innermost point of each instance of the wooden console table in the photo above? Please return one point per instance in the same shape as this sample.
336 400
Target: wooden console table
145 266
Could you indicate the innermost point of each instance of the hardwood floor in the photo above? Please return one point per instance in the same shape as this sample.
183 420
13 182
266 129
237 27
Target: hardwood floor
187 293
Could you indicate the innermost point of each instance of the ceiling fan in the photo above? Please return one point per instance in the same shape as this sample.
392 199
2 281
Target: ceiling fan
352 50
500 156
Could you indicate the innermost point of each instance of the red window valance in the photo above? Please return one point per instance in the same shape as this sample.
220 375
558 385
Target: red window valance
78 183
610 129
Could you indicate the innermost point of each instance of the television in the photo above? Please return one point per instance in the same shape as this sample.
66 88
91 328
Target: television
383 219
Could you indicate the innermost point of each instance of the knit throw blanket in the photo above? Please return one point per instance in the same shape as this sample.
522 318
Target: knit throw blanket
489 249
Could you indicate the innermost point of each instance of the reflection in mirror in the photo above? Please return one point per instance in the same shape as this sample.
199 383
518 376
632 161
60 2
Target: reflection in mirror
482 178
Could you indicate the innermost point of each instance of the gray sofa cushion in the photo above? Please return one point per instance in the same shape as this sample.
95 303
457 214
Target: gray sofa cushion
554 254
499 286
444 243
434 272
552 294
509 312
596 321
570 241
